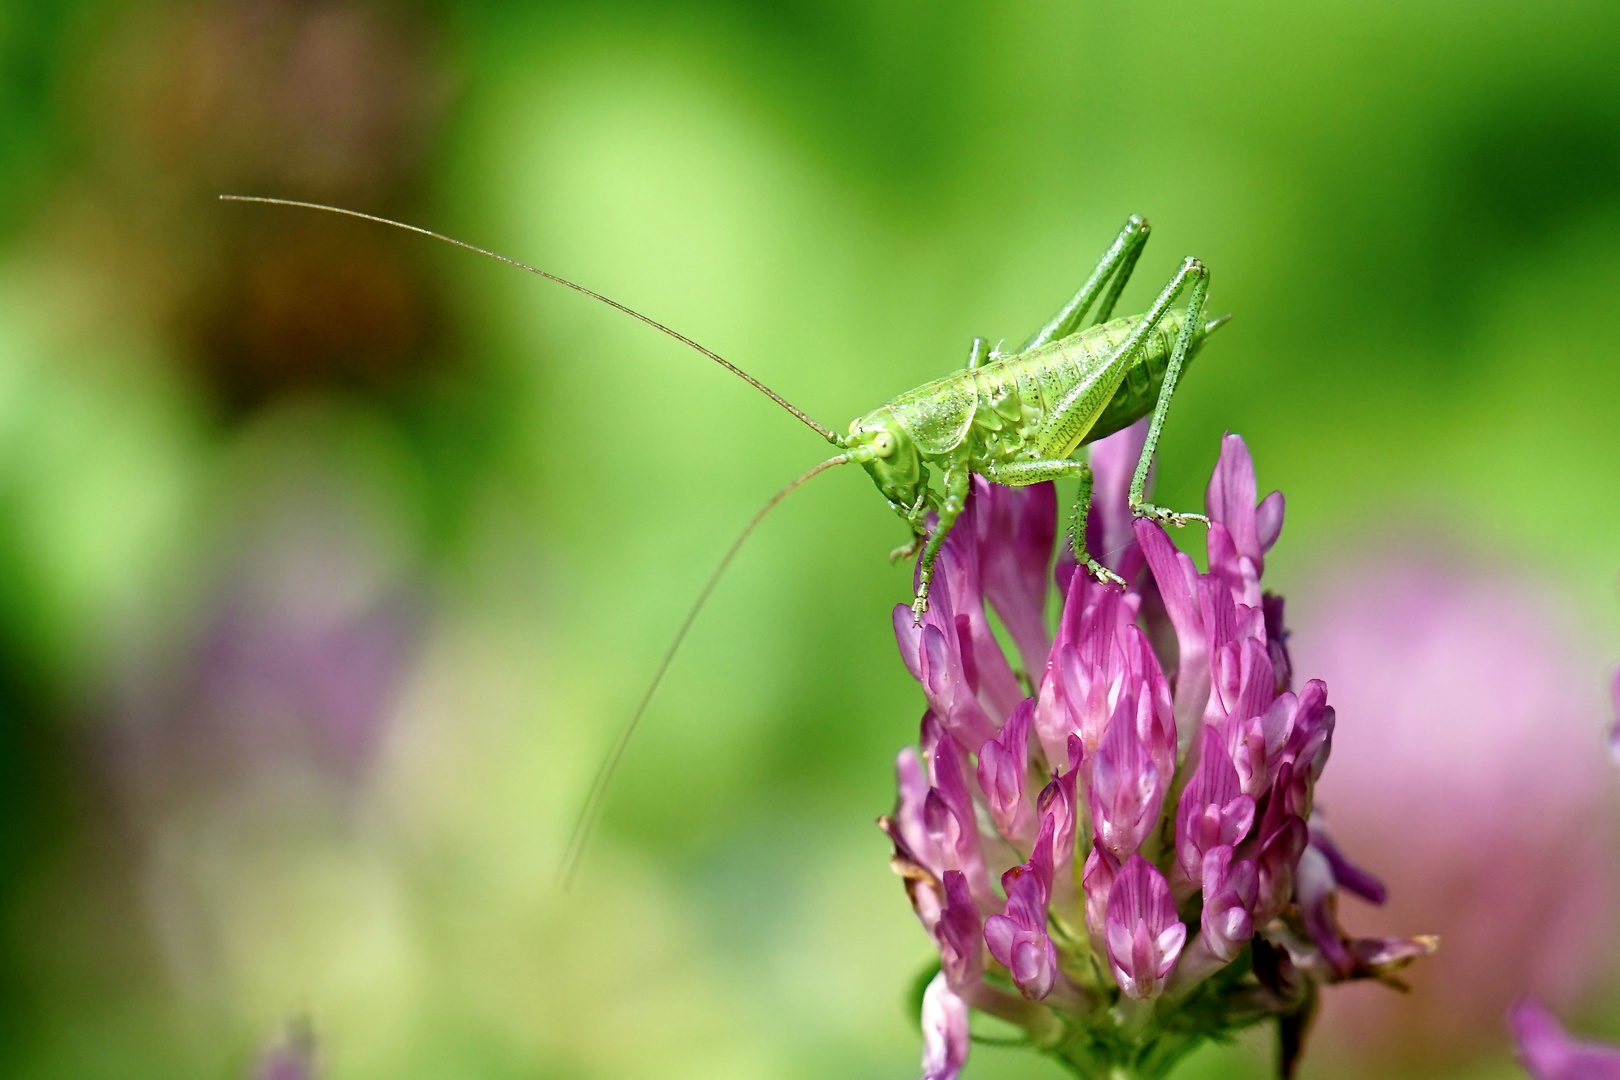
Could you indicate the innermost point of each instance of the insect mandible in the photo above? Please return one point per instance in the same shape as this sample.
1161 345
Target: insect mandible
1015 418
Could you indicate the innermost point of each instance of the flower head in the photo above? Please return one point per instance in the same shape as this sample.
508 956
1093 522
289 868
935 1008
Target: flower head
1153 832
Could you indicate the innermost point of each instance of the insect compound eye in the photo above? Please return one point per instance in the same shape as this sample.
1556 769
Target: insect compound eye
883 443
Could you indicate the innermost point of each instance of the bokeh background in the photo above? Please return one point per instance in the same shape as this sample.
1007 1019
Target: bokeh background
331 558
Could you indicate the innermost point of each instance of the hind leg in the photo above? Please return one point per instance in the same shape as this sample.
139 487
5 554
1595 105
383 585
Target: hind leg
1198 274
1116 266
1070 420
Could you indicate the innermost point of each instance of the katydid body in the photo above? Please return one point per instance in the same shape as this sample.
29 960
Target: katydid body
1017 419
1013 419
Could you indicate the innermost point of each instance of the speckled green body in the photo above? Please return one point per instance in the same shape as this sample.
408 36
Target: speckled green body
1001 412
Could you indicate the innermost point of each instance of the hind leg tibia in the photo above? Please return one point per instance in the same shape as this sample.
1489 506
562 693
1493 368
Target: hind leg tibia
1194 272
1112 273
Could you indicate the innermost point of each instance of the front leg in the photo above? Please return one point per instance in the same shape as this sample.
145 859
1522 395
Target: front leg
1020 473
958 480
913 516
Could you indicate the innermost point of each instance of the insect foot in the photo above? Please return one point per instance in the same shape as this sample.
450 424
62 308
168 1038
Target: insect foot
907 550
1103 575
1166 517
1119 916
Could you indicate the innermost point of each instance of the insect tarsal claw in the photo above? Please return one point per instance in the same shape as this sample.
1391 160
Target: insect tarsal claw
1167 517
1103 575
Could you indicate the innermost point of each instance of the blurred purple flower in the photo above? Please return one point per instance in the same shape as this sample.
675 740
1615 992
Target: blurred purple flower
272 706
945 1031
1614 732
1198 788
1480 713
292 1057
1548 1052
328 675
304 641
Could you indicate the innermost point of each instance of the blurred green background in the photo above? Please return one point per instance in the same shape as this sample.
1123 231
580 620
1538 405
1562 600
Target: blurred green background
330 558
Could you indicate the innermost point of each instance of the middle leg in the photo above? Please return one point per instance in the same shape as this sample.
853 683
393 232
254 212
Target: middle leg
1020 473
958 482
915 518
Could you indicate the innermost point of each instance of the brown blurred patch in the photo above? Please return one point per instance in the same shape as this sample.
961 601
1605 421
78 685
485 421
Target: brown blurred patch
305 303
322 100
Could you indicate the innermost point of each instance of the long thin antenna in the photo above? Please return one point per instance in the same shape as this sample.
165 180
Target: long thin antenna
591 811
820 429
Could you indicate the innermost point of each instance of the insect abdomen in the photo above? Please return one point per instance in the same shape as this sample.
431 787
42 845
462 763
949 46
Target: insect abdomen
1046 376
1006 402
1139 390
